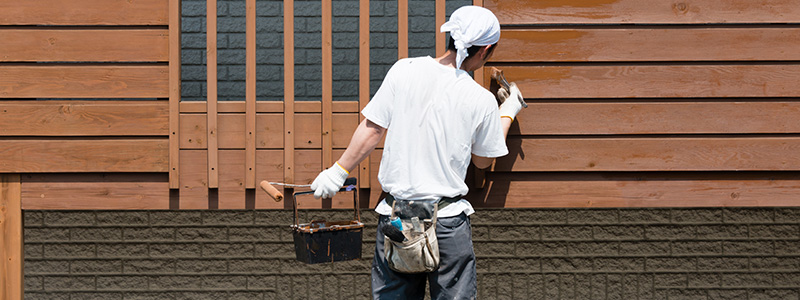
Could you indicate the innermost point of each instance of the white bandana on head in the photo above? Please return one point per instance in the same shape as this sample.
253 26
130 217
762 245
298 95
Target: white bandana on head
471 26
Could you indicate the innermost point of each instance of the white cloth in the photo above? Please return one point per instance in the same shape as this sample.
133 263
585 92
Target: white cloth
471 26
436 117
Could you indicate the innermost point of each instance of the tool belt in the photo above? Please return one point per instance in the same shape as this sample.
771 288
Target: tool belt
443 202
419 250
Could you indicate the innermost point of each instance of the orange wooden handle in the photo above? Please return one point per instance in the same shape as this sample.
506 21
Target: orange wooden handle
271 191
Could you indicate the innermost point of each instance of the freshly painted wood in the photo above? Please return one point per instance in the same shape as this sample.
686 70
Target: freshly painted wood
520 12
439 19
288 90
84 81
211 83
96 191
648 44
174 92
270 106
546 118
363 80
250 101
655 81
651 154
84 12
402 29
670 189
327 82
84 118
83 155
11 250
269 132
107 45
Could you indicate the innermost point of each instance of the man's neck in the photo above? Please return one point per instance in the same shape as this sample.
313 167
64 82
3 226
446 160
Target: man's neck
448 59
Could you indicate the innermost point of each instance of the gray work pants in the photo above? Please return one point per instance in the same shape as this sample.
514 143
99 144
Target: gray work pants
455 278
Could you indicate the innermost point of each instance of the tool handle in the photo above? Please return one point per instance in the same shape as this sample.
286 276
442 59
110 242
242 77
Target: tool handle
271 191
349 185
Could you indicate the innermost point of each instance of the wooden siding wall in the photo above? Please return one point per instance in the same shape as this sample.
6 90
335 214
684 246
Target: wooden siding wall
633 103
87 89
650 103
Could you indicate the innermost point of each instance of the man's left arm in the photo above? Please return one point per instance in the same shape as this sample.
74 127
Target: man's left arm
512 104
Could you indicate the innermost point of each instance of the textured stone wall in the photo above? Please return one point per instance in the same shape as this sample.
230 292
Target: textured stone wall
308 52
697 253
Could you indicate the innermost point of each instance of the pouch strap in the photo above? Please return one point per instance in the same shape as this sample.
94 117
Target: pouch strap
443 202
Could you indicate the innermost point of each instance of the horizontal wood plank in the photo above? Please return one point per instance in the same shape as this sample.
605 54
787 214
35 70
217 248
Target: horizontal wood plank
84 12
519 12
84 118
648 44
269 131
89 81
82 45
674 189
654 81
83 155
724 117
652 154
95 191
269 106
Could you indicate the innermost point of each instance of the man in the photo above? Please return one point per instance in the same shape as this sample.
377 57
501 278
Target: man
436 118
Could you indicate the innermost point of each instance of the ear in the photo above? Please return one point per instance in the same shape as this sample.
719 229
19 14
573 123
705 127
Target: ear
485 50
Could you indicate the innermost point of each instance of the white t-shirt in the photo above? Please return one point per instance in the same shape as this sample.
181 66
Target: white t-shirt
436 117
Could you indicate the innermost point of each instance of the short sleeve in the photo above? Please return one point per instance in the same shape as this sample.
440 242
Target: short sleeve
488 140
380 107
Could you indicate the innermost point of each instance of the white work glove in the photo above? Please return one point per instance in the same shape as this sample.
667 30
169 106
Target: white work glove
329 181
511 101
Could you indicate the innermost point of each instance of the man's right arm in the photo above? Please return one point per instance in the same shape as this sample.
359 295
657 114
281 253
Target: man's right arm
364 140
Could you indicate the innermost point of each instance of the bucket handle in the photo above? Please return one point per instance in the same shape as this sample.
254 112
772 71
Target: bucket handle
349 185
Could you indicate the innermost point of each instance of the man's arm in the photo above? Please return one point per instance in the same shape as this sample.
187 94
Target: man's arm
364 140
485 162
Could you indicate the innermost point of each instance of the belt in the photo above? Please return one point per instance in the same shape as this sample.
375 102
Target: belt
443 202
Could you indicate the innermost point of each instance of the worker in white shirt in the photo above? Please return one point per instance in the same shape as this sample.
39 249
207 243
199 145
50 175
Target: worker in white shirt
437 119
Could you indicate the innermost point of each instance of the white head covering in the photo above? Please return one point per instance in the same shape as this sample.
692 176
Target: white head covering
471 26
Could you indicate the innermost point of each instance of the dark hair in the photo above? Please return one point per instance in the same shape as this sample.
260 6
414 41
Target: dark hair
472 51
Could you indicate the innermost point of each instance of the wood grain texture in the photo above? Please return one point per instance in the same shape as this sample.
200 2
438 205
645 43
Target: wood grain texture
673 189
270 106
84 81
84 12
269 131
250 101
174 92
96 191
363 80
106 45
11 250
654 81
84 118
83 155
211 94
194 193
651 154
288 91
644 11
658 118
402 29
648 44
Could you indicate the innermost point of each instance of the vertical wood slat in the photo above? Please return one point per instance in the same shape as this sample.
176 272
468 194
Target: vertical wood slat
250 96
288 90
174 92
480 174
363 80
211 66
327 83
402 29
11 253
441 43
